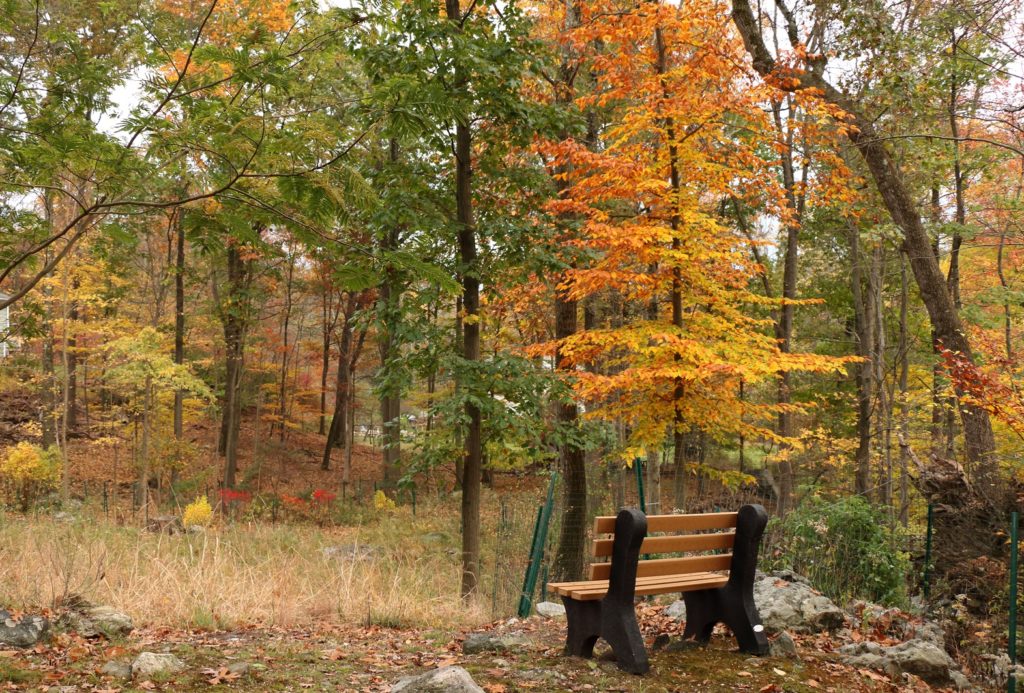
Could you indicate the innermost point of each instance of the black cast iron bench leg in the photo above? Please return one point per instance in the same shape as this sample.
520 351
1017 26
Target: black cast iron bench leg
733 604
614 617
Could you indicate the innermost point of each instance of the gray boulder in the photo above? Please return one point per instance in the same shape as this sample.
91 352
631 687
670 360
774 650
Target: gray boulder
1001 668
150 664
117 670
550 610
23 632
449 679
475 643
92 621
897 624
932 632
916 657
787 602
676 610
782 646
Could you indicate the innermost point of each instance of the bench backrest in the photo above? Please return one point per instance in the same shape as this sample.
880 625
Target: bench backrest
692 534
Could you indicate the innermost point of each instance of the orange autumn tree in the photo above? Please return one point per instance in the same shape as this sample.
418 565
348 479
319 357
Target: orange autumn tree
688 133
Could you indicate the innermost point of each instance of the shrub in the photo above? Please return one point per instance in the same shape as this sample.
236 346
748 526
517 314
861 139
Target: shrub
324 496
847 550
198 512
382 503
30 471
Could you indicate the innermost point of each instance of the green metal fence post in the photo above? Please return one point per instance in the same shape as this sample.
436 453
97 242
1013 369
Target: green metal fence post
540 536
524 599
1011 683
928 554
638 467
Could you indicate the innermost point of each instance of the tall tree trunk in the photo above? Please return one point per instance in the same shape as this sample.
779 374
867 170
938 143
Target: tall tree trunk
49 409
743 446
863 370
179 336
145 449
1007 334
959 189
234 317
473 451
883 417
569 559
325 354
337 433
678 389
71 365
391 397
282 395
460 461
943 424
785 323
904 423
572 550
65 351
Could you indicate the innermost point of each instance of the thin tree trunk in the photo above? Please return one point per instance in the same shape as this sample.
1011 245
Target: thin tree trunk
62 432
862 370
904 423
1007 334
884 413
282 398
325 355
460 462
144 451
391 398
179 337
337 433
235 317
71 366
785 323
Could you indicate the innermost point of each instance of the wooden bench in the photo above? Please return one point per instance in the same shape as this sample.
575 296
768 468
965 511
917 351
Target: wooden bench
717 587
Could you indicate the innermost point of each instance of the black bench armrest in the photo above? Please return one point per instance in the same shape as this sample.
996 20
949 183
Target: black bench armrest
630 531
750 523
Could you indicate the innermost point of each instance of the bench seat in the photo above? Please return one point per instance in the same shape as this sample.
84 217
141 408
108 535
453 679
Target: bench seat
586 590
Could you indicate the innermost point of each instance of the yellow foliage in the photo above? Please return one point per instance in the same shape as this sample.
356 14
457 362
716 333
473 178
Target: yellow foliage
27 463
382 503
30 470
198 512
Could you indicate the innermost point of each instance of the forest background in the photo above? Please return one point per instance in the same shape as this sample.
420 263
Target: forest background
772 252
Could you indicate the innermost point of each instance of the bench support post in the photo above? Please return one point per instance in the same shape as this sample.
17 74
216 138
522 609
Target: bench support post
733 604
614 617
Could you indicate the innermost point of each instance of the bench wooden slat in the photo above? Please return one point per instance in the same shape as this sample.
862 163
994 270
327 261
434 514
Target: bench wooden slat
561 587
673 543
566 587
668 566
661 588
673 523
591 590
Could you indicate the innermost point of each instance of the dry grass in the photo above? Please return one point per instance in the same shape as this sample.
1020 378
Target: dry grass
249 573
